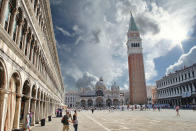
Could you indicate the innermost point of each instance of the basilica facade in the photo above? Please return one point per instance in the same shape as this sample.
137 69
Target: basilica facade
30 76
100 96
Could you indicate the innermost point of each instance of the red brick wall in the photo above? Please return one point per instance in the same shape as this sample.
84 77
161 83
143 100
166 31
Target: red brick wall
137 84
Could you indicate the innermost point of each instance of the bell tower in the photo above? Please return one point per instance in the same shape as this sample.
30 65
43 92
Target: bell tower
137 84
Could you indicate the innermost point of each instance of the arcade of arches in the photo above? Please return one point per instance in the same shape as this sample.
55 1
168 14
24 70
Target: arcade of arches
99 102
27 82
17 98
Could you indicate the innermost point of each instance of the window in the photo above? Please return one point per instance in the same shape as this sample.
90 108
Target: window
193 74
185 76
7 15
0 5
189 75
182 77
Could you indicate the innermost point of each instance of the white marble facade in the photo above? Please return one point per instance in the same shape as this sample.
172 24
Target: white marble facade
100 96
30 76
178 88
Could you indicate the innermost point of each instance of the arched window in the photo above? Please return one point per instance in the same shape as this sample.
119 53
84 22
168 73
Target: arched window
27 42
35 4
0 4
7 15
15 26
31 47
23 31
38 10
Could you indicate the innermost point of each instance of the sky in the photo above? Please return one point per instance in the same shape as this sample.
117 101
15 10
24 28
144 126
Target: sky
91 38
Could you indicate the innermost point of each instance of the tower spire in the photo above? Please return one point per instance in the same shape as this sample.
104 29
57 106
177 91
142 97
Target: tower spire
132 24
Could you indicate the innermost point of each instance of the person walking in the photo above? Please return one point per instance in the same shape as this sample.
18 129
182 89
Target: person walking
28 119
65 120
92 110
177 111
75 121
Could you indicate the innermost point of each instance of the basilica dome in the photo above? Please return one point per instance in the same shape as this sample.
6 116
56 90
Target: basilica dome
100 85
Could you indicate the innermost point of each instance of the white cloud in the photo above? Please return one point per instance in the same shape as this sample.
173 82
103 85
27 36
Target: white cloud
100 46
66 33
187 59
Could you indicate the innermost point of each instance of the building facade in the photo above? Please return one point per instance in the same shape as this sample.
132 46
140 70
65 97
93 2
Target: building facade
154 95
30 76
151 94
137 83
100 96
178 88
71 99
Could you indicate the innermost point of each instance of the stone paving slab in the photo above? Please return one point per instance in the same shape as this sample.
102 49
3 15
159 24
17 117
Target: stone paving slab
165 120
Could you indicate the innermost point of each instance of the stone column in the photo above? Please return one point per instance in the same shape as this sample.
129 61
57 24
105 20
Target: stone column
28 45
34 55
33 110
38 112
194 100
41 110
31 46
26 110
19 33
17 112
12 19
24 40
2 13
3 107
37 58
46 105
193 87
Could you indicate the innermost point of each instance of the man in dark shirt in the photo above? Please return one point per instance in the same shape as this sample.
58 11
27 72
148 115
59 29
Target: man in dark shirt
65 120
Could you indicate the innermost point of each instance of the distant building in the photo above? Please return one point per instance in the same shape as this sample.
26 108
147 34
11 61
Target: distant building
178 88
154 95
137 83
71 99
151 94
100 96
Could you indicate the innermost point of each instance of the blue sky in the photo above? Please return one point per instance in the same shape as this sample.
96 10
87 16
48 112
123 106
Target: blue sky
91 38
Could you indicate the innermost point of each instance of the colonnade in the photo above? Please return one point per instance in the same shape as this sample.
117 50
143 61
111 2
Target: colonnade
20 95
177 90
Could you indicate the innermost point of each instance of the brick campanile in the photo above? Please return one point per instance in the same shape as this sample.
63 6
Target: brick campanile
137 84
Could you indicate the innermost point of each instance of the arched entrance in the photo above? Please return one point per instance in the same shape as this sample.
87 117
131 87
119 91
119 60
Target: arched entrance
99 102
25 103
90 102
3 79
108 102
13 103
116 102
83 103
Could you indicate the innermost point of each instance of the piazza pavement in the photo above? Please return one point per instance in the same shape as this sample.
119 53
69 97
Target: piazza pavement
165 120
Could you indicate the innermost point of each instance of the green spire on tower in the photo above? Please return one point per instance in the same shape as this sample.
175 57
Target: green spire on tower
132 24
